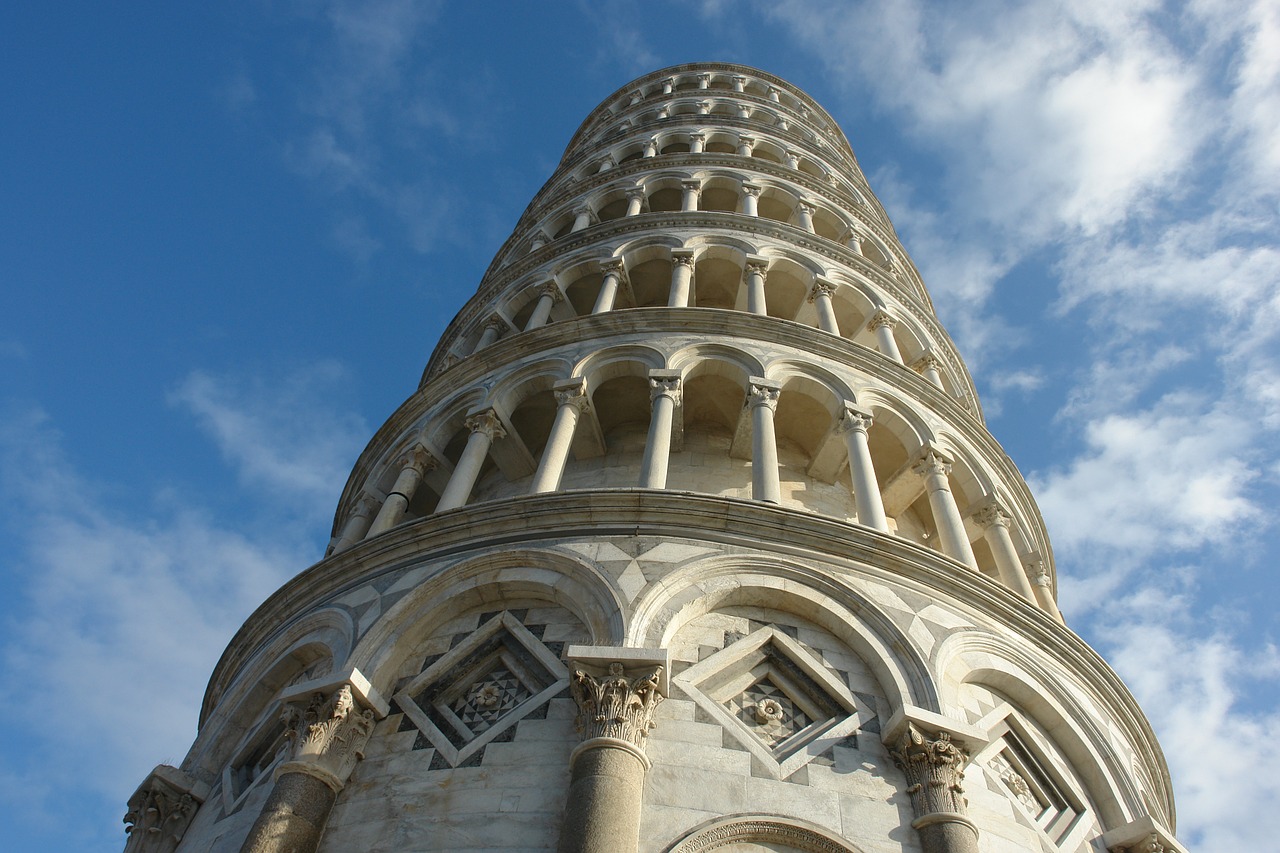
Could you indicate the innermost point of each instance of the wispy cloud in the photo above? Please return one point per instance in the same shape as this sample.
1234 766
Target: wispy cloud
117 605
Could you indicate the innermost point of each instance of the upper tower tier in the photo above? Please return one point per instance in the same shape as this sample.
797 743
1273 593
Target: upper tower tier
707 298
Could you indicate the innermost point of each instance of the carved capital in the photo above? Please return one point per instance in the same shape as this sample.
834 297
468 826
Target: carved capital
327 736
751 189
758 266
572 392
991 514
664 385
635 193
854 420
806 206
1150 844
551 289
160 811
366 505
486 422
419 459
880 318
616 707
763 393
934 767
691 186
682 257
821 287
704 81
614 267
926 362
747 140
931 462
699 136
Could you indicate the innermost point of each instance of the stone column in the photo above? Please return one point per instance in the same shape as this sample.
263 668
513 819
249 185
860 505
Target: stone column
855 242
664 394
539 240
862 474
751 198
739 83
681 278
805 214
934 468
704 108
357 524
697 143
762 398
547 298
928 365
773 94
664 111
327 739
934 767
995 524
668 85
606 164
485 427
651 147
492 328
582 218
571 402
416 462
746 144
689 197
820 296
635 201
636 97
704 81
161 810
609 287
744 110
793 159
1042 586
757 269
882 325
606 785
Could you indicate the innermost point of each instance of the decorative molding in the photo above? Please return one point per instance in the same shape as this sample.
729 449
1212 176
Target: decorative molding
794 834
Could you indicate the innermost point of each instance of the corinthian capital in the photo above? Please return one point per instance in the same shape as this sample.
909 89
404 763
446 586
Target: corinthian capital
487 422
161 810
881 318
616 706
327 736
762 392
934 767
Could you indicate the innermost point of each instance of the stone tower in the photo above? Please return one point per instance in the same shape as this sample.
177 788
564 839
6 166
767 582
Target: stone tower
691 538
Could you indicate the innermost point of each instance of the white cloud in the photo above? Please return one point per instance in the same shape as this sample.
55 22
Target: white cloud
120 617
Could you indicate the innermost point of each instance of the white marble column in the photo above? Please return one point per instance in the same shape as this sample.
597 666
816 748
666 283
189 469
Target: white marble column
539 240
637 96
882 325
862 473
668 85
357 524
739 83
609 287
762 399
746 144
804 215
571 402
547 298
606 164
934 770
934 467
651 147
681 278
664 394
928 365
485 428
697 143
855 242
751 198
416 462
995 523
820 296
635 201
793 159
773 94
492 328
689 195
757 270
704 81
704 108
581 218
1042 585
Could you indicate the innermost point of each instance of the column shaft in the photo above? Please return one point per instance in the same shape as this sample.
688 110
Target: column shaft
293 817
934 468
765 484
756 303
484 428
357 525
608 288
657 450
406 485
571 399
681 278
820 296
542 311
862 473
995 523
882 324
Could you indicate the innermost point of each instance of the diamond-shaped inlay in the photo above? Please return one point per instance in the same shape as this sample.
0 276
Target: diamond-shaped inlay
775 698
489 680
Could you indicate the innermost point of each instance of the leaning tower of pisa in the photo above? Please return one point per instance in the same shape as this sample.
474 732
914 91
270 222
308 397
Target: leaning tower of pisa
691 538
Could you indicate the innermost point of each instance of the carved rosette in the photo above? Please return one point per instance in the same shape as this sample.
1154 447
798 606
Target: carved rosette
934 769
616 707
158 816
327 736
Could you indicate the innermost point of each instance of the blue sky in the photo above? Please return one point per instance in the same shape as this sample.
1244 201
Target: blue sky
231 234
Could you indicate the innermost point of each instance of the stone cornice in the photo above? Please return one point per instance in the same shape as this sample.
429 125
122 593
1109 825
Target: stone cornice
764 528
602 233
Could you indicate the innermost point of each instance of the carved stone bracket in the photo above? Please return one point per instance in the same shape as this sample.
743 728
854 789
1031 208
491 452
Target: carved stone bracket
161 810
1144 835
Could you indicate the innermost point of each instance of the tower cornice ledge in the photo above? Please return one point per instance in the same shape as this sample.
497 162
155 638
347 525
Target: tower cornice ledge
777 530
